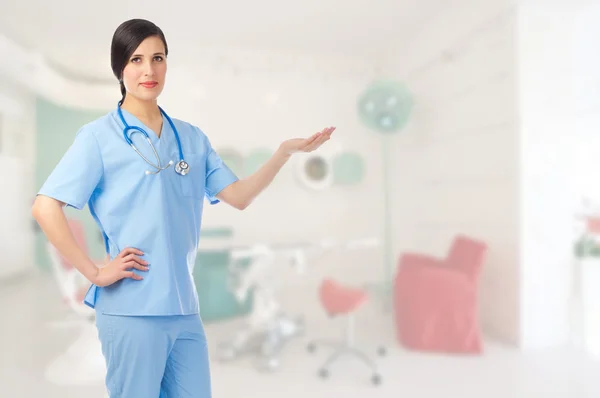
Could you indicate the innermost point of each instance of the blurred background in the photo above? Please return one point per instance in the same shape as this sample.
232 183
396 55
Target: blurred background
448 231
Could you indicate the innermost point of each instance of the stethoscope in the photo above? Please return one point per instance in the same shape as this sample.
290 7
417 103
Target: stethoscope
181 168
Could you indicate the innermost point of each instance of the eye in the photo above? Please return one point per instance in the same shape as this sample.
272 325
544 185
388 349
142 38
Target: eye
135 59
158 58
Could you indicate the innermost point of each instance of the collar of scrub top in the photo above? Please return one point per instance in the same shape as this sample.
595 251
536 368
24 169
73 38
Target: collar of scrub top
181 168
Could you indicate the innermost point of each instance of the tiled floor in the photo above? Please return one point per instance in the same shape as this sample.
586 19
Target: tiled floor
29 343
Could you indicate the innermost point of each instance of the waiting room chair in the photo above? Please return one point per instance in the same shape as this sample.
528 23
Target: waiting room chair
436 300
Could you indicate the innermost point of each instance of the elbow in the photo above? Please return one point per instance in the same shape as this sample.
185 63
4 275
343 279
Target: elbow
242 205
42 206
36 211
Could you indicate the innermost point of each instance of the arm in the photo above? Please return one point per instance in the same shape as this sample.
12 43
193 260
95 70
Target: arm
243 192
72 183
49 214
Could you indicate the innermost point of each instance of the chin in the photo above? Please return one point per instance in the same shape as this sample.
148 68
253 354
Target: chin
148 96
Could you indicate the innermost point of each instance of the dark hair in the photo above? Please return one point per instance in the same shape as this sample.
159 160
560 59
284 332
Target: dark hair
128 36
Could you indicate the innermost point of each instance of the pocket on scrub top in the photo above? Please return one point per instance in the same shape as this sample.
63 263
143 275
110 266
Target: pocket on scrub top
192 184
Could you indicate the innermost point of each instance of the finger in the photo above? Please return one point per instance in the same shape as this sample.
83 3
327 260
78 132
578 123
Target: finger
130 250
324 134
132 275
312 139
317 143
307 142
328 131
133 257
323 138
133 264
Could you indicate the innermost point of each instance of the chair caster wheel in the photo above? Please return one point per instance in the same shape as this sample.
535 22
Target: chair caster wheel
381 351
323 373
376 379
311 347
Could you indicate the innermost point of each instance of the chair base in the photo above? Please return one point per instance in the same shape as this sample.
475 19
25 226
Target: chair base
342 349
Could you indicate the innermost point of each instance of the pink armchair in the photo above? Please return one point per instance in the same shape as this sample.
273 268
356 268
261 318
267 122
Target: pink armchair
436 300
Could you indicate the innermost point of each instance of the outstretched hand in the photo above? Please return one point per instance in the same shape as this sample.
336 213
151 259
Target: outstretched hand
309 144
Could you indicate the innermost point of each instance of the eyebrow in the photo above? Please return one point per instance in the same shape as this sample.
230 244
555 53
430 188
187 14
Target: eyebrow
141 55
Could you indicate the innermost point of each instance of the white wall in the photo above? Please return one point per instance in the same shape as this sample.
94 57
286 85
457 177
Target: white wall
560 63
547 137
586 131
559 78
455 168
587 102
17 118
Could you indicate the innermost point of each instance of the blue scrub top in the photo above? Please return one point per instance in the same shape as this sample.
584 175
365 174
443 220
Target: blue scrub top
157 214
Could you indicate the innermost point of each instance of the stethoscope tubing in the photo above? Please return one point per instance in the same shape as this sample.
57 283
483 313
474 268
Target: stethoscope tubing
140 130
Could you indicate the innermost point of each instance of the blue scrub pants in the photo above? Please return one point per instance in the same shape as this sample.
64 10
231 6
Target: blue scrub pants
155 356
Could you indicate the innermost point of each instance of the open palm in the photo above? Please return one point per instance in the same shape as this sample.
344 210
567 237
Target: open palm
307 144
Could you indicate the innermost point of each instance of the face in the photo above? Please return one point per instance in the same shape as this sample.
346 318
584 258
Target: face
144 74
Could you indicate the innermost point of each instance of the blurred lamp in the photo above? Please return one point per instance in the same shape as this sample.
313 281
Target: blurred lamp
385 107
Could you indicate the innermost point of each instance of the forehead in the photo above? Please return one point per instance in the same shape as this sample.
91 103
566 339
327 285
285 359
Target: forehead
150 45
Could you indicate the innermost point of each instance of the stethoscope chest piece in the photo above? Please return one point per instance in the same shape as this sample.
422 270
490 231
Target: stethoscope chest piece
182 167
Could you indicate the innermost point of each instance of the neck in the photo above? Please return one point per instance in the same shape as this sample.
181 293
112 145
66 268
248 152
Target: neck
143 110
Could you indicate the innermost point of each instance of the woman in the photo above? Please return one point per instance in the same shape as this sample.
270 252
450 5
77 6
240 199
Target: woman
146 194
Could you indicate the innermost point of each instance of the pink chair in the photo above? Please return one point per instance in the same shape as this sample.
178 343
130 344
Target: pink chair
436 300
341 300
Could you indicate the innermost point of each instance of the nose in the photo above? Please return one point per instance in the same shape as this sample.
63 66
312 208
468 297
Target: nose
149 68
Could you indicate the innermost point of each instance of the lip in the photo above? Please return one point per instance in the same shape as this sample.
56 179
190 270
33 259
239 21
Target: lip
149 84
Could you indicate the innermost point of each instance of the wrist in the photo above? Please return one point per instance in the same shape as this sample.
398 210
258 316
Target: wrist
93 278
282 154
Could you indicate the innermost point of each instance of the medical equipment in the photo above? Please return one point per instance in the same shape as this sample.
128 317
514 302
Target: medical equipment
181 168
268 328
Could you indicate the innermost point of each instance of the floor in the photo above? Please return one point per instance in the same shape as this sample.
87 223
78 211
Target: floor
31 338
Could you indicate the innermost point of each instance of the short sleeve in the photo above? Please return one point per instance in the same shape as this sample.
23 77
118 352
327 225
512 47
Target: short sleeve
218 175
77 174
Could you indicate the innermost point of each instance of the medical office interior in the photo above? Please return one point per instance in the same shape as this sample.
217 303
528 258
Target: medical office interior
443 242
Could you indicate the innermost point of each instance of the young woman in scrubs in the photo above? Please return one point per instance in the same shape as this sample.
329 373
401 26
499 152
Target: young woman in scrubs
146 303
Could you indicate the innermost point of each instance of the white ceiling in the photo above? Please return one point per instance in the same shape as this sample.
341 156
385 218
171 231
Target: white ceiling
76 34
